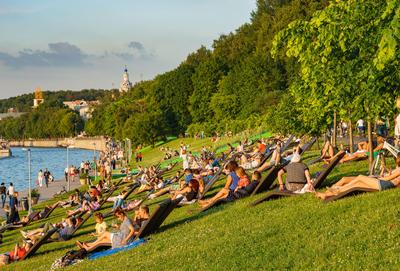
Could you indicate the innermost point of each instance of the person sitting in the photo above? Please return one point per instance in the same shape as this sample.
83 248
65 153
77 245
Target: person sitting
18 253
142 215
65 231
101 225
275 158
298 175
251 162
327 152
243 178
246 190
363 151
188 193
89 206
229 188
122 237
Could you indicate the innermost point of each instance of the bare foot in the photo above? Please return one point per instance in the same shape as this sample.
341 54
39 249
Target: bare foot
320 195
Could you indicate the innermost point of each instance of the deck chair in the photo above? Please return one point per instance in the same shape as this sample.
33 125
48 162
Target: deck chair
283 148
158 217
351 192
39 243
215 178
50 211
89 215
11 227
317 183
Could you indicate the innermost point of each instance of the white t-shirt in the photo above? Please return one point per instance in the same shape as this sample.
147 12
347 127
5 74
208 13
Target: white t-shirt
11 190
360 123
397 127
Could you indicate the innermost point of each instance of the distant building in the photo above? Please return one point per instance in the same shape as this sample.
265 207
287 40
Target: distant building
84 108
126 85
10 115
38 98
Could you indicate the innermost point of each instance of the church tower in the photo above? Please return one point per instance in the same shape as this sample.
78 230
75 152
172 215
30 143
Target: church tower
38 97
126 84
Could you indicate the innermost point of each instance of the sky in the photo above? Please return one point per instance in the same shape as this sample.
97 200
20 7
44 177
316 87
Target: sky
77 44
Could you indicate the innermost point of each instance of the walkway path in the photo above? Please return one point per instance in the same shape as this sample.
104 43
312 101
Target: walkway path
47 193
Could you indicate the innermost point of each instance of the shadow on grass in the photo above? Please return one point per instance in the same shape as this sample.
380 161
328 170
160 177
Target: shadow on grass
197 215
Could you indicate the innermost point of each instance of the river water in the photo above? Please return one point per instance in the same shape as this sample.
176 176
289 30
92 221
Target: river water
15 168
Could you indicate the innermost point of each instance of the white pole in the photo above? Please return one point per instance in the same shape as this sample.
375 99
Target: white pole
95 162
68 169
29 178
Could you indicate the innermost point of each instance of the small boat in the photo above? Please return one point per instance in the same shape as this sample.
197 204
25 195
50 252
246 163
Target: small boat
5 150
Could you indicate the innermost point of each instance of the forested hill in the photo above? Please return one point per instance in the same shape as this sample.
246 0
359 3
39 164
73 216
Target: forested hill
24 102
231 87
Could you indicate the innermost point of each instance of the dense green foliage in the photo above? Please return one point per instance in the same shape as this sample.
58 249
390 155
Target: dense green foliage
349 59
24 102
43 122
231 87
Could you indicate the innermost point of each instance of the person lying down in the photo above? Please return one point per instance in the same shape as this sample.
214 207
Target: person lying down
376 183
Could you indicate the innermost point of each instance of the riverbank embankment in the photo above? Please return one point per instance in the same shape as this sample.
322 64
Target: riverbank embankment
87 143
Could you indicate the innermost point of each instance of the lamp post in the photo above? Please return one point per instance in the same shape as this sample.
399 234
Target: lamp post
28 150
68 181
95 160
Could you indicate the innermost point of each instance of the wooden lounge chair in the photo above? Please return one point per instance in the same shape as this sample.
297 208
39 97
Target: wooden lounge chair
317 183
50 211
351 192
11 227
158 217
39 243
284 147
215 178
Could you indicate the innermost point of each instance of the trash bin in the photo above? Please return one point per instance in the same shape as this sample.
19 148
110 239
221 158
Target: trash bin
24 203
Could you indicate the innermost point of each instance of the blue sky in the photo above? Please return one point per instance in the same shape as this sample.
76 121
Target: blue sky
75 44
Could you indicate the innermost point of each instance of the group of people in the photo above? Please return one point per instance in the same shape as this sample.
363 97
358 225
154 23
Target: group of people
44 177
242 166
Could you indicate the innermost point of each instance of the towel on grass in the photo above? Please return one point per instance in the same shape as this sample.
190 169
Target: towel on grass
96 255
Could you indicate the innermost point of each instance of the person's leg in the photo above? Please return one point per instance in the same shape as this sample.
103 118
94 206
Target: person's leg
105 238
360 181
354 156
223 193
344 181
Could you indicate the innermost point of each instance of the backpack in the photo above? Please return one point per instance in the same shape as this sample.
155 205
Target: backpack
70 258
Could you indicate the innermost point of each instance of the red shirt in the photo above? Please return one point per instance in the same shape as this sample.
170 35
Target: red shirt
261 148
243 181
20 253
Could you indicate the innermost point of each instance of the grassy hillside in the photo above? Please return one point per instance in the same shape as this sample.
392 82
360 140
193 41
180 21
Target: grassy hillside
299 233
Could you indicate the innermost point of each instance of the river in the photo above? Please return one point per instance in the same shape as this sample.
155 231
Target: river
15 168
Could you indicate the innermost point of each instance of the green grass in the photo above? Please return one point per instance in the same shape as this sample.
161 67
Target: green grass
297 233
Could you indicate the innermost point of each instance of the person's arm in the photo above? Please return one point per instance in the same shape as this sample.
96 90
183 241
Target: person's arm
228 182
280 179
393 175
308 178
130 235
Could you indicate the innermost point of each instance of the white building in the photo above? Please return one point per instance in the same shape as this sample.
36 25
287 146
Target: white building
83 107
126 85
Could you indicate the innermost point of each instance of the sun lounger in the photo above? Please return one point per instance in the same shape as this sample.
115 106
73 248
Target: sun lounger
317 183
351 192
158 217
11 227
88 215
50 211
39 243
215 178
